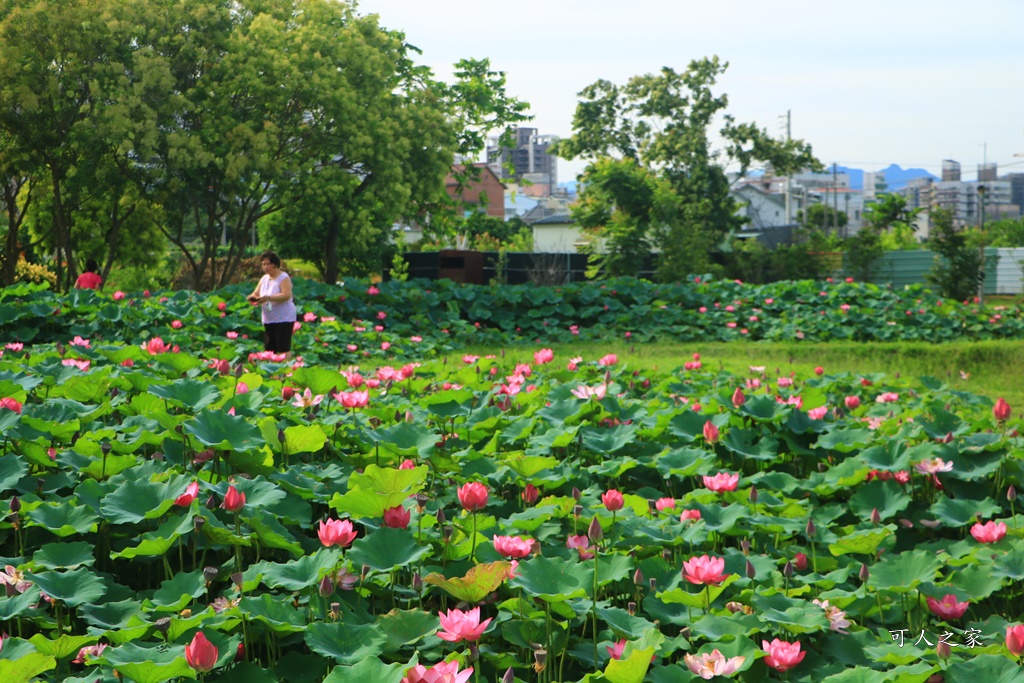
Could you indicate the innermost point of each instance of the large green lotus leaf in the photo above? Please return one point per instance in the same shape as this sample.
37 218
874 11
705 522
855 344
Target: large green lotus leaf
304 439
476 585
259 493
377 489
684 462
405 627
714 628
387 549
751 444
24 380
303 572
887 497
610 568
552 579
160 541
110 615
54 430
154 664
519 428
64 555
179 590
90 388
191 394
403 438
12 468
219 429
555 437
631 668
763 409
64 519
527 466
608 439
976 581
8 420
62 647
271 533
346 643
722 519
245 672
137 501
1010 565
990 668
904 571
890 456
798 616
138 430
620 621
845 439
681 596
73 587
960 513
219 533
277 613
687 426
863 542
974 466
25 669
299 667
16 605
369 669
319 380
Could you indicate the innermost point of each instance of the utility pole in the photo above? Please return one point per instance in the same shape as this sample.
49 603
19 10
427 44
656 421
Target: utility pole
835 196
981 271
789 212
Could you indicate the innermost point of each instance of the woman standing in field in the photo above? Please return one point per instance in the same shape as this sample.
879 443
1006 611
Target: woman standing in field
274 295
89 279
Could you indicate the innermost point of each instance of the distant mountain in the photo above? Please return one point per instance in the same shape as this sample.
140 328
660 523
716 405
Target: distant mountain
895 176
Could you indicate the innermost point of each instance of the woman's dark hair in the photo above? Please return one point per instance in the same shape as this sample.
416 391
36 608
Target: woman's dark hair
91 265
272 257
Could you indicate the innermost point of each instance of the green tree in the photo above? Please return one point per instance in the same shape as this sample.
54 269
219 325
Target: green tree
823 217
957 266
1008 232
663 123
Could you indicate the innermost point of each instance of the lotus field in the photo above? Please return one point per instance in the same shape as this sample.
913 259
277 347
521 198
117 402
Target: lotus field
180 505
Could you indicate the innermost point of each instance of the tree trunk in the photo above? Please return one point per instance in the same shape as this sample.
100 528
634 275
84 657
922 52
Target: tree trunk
114 235
331 250
12 250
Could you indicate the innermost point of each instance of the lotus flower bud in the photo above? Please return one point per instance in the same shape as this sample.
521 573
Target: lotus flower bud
326 587
787 569
810 528
439 515
942 650
509 675
594 532
15 505
1011 494
239 370
865 573
198 522
752 496
417 582
751 572
576 494
876 517
638 577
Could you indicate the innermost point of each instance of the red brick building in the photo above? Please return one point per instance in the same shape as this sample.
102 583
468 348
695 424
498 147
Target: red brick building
486 192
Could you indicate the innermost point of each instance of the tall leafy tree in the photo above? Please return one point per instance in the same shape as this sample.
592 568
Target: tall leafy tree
663 123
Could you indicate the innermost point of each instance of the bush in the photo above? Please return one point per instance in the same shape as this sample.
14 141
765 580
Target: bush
34 273
957 266
753 262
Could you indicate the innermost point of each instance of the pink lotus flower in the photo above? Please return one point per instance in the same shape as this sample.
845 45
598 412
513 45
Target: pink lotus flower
15 346
612 499
707 666
8 403
14 577
352 399
201 654
989 532
586 393
118 295
933 466
445 672
580 544
689 516
307 399
191 493
90 651
704 570
738 398
784 382
473 496
818 413
615 651
887 397
234 500
608 360
837 620
513 546
852 402
574 363
711 433
530 494
782 656
457 625
1001 410
819 371
373 291
156 346
177 324
800 561
664 504
721 482
543 356
1015 639
82 365
336 532
397 517
79 341
948 607
469 359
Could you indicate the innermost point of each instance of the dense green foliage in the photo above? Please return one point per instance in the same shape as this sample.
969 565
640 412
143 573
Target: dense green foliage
958 265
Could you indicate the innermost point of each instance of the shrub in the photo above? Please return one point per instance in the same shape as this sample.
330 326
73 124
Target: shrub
34 273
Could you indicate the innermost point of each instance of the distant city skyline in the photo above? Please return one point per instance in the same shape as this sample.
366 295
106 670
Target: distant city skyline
868 83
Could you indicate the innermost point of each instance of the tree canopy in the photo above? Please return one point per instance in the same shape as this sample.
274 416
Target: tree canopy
658 129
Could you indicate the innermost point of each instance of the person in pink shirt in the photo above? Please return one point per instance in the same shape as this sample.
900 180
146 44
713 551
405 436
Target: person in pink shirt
274 295
89 279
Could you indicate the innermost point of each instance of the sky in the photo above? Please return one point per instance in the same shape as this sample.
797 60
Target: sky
867 82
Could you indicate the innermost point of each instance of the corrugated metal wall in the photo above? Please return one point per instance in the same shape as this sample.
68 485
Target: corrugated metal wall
1009 271
1003 274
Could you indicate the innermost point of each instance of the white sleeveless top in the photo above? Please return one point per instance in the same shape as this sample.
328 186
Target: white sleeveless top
276 311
